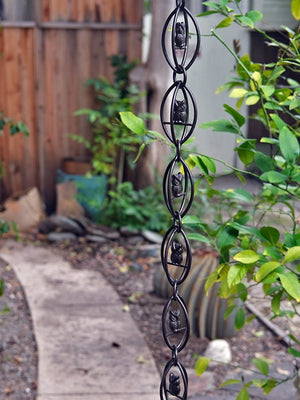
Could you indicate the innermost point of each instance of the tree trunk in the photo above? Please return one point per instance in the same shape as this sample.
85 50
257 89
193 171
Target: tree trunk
155 77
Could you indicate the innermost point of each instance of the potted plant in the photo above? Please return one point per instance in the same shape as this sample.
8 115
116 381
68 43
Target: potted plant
112 144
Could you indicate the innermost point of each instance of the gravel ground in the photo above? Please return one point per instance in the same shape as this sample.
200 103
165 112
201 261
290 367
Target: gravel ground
128 264
18 351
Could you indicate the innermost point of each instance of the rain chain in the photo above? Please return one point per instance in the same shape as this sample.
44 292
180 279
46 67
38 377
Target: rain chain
180 44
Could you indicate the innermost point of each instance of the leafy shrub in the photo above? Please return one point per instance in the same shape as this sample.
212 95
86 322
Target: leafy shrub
136 209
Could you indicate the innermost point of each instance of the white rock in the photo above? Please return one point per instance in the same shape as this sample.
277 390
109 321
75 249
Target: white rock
219 350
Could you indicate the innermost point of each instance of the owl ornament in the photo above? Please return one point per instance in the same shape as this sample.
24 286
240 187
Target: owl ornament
179 113
174 384
180 35
177 187
176 253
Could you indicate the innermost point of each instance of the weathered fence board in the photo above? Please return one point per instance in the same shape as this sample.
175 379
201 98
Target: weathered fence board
128 11
42 75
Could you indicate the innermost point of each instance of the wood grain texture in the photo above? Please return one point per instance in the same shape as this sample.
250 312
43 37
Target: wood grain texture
42 76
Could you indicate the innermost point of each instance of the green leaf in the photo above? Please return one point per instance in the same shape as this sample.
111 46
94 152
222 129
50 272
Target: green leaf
198 237
247 257
268 90
246 153
192 220
236 274
239 194
289 145
261 365
212 4
259 382
227 236
246 21
132 122
295 103
221 125
271 383
294 352
269 140
290 284
236 93
275 303
278 121
273 177
296 9
156 135
276 72
211 280
201 165
239 118
264 162
229 311
229 382
209 163
225 22
201 365
254 15
141 149
242 291
2 287
251 100
239 319
240 177
250 230
265 270
243 395
271 234
292 254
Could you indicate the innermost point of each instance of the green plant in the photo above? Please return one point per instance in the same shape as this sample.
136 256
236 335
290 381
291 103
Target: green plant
111 141
136 209
257 236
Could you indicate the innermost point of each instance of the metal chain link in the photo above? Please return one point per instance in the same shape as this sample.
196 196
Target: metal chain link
178 117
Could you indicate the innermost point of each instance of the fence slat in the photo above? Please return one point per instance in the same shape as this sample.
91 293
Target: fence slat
42 75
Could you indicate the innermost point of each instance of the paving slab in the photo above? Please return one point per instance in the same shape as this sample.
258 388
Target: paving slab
88 346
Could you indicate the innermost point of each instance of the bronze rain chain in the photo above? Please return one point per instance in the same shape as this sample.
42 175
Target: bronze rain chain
180 44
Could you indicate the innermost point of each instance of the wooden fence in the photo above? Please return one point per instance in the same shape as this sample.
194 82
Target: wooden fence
43 68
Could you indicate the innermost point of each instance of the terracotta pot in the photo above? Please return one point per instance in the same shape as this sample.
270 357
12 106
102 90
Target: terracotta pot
75 167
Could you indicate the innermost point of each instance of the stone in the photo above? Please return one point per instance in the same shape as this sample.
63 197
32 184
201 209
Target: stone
104 231
152 237
95 239
219 350
126 232
65 224
61 236
25 209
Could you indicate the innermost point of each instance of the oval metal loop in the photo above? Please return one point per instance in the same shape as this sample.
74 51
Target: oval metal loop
175 323
175 64
176 260
181 82
180 3
178 111
178 195
167 387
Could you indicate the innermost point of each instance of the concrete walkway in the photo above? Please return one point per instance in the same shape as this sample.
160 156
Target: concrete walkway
89 349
